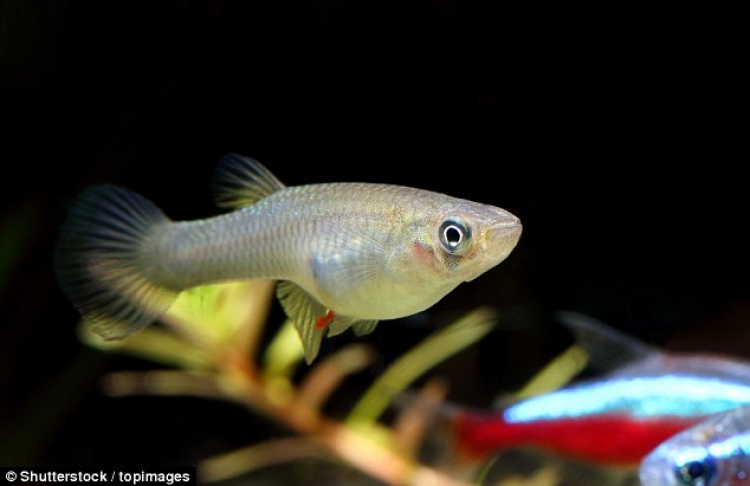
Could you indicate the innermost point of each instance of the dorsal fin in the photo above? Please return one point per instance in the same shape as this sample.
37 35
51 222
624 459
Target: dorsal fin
241 181
608 348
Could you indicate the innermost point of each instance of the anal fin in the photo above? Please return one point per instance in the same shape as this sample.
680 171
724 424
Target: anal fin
311 319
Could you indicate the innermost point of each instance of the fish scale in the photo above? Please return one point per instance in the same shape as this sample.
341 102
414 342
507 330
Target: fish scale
348 253
715 452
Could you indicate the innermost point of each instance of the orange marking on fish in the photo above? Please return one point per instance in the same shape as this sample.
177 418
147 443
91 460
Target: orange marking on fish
422 251
324 320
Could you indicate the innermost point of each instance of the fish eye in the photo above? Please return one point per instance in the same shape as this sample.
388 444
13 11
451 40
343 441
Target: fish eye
696 473
455 235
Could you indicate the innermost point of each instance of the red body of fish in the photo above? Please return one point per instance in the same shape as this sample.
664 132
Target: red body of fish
611 439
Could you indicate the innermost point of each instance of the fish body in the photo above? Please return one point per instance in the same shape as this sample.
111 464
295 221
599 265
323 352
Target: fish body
715 452
346 254
619 418
616 422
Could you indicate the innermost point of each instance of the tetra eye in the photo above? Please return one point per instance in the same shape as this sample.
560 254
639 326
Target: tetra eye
455 236
695 473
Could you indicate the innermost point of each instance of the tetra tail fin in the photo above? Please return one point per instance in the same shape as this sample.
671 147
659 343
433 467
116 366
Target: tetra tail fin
102 265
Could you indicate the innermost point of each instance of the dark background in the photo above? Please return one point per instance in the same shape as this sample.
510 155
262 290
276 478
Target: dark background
618 136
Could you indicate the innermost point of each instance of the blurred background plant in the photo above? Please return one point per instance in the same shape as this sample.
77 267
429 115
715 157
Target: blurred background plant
212 342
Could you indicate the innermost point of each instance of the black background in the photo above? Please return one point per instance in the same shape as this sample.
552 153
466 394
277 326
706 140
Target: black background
618 136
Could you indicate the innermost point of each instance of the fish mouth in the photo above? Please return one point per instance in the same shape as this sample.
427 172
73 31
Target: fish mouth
509 224
503 235
498 241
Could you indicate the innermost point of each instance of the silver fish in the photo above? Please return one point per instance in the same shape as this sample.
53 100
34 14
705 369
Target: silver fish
346 254
716 452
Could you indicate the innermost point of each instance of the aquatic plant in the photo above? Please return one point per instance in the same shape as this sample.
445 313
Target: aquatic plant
211 342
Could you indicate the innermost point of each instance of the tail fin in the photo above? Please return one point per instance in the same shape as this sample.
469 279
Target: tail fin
101 263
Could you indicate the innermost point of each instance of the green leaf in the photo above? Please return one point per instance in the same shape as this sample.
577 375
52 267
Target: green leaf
436 348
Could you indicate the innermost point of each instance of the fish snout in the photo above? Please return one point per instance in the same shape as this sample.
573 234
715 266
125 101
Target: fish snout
657 469
498 240
503 235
